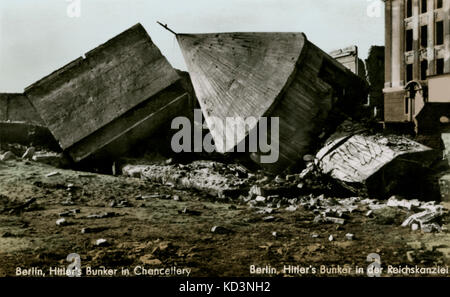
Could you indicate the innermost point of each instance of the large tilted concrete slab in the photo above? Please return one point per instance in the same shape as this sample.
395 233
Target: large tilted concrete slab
115 96
269 74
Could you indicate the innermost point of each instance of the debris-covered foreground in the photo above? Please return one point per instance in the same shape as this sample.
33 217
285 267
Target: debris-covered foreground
47 213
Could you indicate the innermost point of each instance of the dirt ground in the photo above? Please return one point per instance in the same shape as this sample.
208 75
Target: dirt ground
156 233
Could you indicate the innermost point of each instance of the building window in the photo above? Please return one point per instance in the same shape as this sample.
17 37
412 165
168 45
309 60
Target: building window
409 40
409 8
438 4
424 36
439 33
409 72
423 69
424 6
440 66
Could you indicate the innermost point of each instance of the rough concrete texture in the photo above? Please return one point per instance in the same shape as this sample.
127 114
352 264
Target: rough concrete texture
113 79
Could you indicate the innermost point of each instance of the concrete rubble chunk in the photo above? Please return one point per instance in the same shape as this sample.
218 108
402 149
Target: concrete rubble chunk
429 228
53 173
376 164
62 222
377 206
260 199
29 153
101 242
7 156
422 218
408 204
255 191
269 219
291 208
335 220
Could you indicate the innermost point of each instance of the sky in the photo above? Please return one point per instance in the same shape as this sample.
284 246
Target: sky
40 36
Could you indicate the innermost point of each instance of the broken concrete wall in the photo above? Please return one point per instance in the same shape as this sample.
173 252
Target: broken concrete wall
377 165
115 96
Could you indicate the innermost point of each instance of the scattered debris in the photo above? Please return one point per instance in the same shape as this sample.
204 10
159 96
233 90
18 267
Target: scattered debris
349 236
410 256
422 218
334 220
93 230
101 242
7 156
269 219
62 222
54 173
29 153
189 212
429 228
330 238
221 230
102 215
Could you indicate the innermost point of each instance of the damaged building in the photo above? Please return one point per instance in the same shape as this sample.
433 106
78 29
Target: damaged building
417 62
417 72
349 57
371 70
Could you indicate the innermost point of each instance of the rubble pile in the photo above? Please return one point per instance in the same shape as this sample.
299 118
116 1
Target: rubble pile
214 178
31 153
425 216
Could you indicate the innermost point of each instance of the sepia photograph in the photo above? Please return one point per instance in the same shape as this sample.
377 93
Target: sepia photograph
254 141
